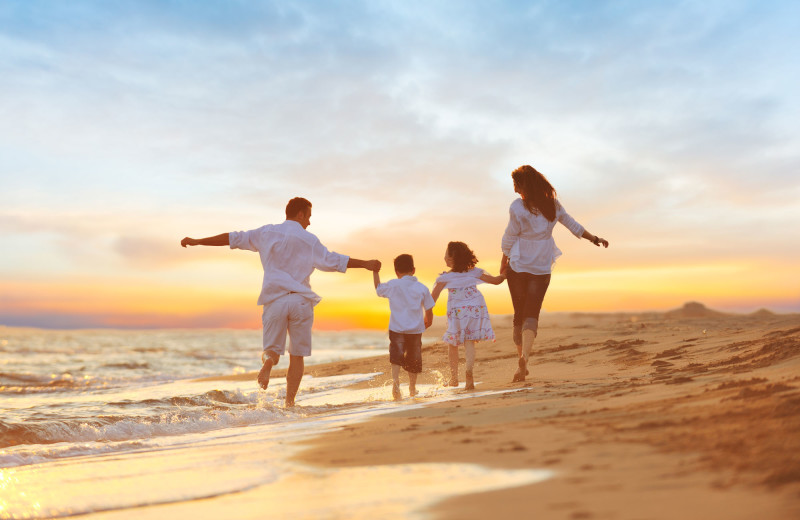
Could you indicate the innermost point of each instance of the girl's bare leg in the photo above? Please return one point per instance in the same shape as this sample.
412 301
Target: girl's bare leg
469 354
453 354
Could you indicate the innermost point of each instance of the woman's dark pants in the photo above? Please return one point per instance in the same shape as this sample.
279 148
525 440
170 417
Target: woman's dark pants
527 294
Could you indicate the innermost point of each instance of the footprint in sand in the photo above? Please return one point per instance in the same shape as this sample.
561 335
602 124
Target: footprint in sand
679 380
661 364
671 353
749 393
459 428
511 446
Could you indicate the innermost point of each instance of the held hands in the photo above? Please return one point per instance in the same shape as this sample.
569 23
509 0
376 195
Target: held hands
373 265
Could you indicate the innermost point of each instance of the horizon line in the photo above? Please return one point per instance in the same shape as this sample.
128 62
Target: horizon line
699 307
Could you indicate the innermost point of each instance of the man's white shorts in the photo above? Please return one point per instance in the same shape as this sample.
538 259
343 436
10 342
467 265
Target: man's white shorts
292 313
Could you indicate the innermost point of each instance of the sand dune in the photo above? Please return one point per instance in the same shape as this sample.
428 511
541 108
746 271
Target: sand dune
693 310
691 413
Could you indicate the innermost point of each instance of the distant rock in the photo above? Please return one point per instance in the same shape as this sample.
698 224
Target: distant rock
763 313
693 310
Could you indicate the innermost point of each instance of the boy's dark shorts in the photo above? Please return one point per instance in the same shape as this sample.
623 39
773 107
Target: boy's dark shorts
406 350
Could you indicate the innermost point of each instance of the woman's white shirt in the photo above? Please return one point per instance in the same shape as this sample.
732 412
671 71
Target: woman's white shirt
528 241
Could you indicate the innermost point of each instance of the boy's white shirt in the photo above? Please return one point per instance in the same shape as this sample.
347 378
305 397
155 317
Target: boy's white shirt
407 299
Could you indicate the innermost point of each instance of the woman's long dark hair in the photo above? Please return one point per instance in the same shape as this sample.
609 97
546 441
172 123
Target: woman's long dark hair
538 194
463 257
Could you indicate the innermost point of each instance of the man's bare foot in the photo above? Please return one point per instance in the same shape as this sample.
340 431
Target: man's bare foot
412 390
289 404
470 383
396 393
266 368
453 381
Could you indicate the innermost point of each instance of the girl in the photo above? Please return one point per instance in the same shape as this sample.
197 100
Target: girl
467 315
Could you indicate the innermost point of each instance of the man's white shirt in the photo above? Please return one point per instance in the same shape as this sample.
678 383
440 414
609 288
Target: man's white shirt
289 254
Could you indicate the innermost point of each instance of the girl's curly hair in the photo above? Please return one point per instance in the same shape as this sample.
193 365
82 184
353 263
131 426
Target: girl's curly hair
463 257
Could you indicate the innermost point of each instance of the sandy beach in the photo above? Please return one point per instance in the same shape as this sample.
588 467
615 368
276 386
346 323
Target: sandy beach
689 414
685 414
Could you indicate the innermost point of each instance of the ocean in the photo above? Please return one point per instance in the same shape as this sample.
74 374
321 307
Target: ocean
113 422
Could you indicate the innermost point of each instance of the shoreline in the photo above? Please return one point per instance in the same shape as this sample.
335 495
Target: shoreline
656 416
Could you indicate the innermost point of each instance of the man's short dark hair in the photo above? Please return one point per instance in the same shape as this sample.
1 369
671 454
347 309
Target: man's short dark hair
404 263
295 206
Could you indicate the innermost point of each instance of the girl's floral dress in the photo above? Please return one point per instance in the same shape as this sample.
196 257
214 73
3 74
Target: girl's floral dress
467 314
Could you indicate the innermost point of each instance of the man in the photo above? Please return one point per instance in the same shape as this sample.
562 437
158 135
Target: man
289 254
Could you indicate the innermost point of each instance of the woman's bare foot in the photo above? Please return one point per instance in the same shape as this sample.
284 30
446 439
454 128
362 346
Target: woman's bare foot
412 390
453 381
470 383
517 377
521 372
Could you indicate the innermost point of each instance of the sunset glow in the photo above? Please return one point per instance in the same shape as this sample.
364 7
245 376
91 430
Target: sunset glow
669 130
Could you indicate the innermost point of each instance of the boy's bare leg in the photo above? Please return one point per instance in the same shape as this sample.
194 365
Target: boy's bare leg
412 384
269 360
453 354
293 377
396 382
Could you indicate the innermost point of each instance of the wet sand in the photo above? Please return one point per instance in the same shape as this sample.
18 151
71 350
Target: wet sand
686 414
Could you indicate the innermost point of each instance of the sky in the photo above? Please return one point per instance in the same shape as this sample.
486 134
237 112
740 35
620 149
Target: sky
669 128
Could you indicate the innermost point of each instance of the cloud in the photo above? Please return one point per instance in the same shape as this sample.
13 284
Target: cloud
147 251
129 125
99 243
245 90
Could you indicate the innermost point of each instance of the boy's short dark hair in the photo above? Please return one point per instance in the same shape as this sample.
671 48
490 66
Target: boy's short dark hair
404 263
295 206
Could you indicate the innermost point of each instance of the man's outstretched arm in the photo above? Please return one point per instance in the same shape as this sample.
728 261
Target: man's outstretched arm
372 265
218 240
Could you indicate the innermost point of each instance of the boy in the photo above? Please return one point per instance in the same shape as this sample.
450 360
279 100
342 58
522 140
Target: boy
407 299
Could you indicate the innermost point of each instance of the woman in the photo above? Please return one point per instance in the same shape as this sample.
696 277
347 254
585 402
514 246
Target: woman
529 253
